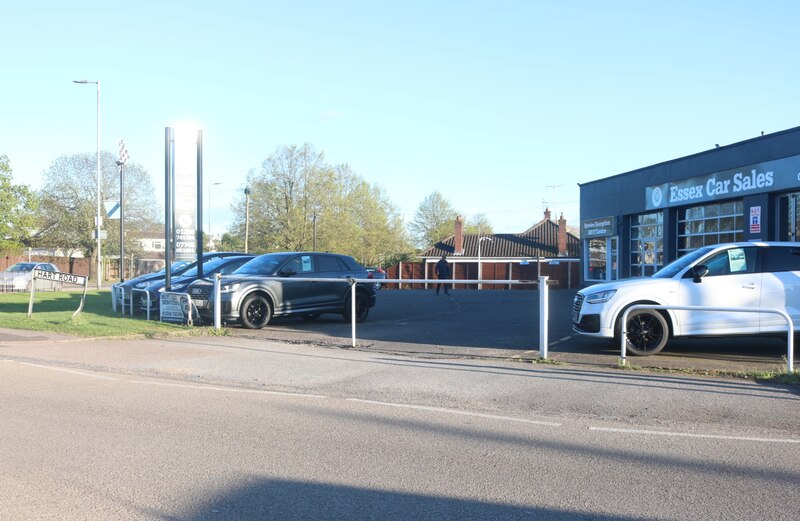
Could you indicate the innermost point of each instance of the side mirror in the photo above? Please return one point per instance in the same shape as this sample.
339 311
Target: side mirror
287 273
698 272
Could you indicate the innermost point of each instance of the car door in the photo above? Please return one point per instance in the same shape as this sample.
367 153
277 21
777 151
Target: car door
330 267
732 281
780 289
297 295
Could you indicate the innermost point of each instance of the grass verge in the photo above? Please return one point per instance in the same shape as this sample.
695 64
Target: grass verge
781 376
52 311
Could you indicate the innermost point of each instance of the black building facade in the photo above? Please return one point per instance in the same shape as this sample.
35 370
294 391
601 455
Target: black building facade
634 223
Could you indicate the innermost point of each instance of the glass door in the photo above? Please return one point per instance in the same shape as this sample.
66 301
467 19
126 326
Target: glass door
602 259
789 228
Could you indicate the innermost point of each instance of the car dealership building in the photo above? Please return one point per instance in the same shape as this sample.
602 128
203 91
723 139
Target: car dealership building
634 223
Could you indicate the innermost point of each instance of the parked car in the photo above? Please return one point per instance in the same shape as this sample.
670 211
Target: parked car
177 268
253 294
18 277
749 275
378 274
179 283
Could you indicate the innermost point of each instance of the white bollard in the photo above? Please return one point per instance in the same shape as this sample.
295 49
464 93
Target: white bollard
353 297
217 307
544 315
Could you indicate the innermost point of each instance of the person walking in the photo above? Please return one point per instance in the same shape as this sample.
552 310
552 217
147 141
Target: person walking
443 272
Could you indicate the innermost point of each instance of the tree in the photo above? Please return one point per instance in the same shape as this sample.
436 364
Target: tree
17 209
297 201
478 225
69 204
433 220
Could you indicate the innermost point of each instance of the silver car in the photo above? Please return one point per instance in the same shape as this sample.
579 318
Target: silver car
258 291
19 277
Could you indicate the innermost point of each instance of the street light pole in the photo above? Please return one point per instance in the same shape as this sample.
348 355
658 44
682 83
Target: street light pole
99 216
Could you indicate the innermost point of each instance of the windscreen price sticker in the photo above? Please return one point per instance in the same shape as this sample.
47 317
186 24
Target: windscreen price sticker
57 276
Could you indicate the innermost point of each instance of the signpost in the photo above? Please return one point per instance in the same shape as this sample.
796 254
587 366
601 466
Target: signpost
57 276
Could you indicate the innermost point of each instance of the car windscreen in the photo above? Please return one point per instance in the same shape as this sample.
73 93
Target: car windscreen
22 266
263 265
681 263
208 266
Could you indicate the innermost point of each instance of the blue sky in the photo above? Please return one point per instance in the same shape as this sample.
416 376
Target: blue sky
503 106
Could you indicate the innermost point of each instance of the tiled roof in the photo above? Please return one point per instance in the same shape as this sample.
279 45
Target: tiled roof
541 240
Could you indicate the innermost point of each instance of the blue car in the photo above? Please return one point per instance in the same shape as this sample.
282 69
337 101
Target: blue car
179 283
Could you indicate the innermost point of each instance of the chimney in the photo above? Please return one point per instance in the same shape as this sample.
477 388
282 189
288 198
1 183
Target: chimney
547 214
458 244
562 236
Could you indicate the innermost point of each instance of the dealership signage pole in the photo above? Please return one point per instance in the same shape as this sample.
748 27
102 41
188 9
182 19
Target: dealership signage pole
183 165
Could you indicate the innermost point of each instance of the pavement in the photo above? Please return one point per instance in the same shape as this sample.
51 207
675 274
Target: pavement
143 354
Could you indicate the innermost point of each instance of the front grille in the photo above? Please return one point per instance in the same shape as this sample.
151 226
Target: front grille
576 307
200 292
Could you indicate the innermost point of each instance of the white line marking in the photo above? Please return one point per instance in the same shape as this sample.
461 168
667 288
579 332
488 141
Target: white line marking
454 411
71 371
691 435
228 390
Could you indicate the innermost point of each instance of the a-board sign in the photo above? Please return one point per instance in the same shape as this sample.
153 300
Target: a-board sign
57 276
174 308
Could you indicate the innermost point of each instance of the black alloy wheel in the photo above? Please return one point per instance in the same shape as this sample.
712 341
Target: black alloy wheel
256 312
362 308
647 332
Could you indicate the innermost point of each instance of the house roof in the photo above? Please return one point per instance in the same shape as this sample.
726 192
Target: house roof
540 240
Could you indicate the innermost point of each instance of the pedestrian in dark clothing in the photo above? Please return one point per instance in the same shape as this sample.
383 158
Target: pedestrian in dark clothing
443 272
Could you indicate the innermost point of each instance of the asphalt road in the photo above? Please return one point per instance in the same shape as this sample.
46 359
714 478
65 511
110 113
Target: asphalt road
229 428
505 324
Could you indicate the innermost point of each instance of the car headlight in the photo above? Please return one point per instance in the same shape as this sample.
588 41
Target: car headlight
141 285
599 298
229 288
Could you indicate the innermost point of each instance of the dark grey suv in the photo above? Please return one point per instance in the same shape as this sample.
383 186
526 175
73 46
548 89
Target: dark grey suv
255 293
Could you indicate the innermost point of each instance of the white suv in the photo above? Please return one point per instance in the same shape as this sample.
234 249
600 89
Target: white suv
755 275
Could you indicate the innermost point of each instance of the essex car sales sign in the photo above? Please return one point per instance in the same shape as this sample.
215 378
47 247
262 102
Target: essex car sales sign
764 177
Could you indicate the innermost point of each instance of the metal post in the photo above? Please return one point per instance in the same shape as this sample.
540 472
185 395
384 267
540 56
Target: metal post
246 217
123 159
122 222
544 316
353 297
99 217
217 305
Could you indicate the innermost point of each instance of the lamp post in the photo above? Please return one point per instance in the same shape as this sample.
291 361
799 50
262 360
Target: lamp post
480 270
246 216
123 158
315 230
99 216
209 208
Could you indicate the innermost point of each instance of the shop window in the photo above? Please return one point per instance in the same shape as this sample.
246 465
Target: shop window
602 263
709 224
647 244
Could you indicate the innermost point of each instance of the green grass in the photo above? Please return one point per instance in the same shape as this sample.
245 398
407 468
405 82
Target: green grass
778 376
52 311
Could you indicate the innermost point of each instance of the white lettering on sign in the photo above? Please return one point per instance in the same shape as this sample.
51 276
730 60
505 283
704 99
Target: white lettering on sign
742 182
677 193
714 187
57 276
